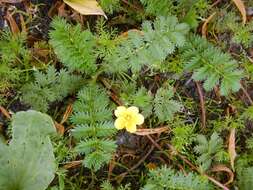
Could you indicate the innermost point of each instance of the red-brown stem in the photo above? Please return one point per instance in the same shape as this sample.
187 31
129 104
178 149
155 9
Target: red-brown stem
246 93
202 105
188 162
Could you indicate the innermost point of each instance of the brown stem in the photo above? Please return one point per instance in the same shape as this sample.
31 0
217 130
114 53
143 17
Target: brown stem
131 5
111 92
246 93
202 105
215 3
188 162
121 176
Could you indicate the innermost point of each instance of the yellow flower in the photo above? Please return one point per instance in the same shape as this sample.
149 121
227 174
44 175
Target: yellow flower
128 118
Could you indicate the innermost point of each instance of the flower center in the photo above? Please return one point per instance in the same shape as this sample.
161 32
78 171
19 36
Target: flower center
128 117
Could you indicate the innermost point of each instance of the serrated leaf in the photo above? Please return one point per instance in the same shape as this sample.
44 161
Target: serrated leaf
211 81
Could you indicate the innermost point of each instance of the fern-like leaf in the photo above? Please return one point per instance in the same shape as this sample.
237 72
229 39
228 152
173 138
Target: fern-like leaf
109 6
164 106
167 179
210 64
209 150
92 118
149 47
74 47
158 7
49 87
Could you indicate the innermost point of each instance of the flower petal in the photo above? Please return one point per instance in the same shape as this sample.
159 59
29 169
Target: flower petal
131 128
119 110
133 109
139 119
119 123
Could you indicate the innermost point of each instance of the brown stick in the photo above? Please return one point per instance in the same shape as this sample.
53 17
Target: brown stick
202 105
131 5
111 92
215 3
246 93
122 175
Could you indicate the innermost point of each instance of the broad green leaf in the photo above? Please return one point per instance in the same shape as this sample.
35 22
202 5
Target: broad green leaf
86 7
28 162
27 166
31 123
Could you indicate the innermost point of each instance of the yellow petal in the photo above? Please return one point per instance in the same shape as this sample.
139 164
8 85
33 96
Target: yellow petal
131 128
119 123
139 119
133 109
119 111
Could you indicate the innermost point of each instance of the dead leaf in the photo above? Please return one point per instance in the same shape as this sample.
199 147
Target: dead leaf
59 128
23 25
112 165
72 164
13 25
125 34
67 113
144 132
204 27
223 168
5 112
151 166
231 147
54 9
241 7
61 11
11 1
86 7
41 52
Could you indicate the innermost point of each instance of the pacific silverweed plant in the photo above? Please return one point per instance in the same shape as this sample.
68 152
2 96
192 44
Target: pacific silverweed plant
209 150
139 60
94 127
165 178
161 105
164 106
49 87
211 65
141 98
187 11
73 46
149 47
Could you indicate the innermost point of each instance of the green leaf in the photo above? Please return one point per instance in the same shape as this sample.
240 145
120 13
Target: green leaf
31 123
28 162
209 64
209 150
164 106
246 179
167 179
74 47
93 118
149 47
